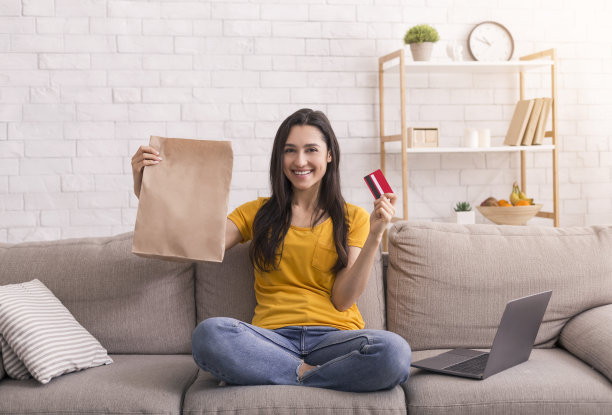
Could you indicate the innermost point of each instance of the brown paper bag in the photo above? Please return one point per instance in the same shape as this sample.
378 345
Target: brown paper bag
183 201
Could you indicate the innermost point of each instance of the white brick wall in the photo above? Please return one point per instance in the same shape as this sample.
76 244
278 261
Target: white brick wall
83 83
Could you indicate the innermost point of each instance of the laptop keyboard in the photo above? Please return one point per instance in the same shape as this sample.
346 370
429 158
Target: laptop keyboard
474 366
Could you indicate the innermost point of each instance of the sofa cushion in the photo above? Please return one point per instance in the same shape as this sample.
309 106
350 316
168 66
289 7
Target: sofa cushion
552 381
226 289
39 336
372 303
205 396
130 304
143 384
448 284
588 336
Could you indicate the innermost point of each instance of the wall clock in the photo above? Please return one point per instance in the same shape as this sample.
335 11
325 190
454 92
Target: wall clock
490 41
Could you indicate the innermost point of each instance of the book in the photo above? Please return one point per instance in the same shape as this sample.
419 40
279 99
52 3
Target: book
533 122
518 124
542 120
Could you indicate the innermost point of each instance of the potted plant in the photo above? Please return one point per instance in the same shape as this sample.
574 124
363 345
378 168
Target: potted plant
464 213
421 39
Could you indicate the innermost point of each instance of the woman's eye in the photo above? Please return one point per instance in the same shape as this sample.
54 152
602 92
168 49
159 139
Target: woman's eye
288 150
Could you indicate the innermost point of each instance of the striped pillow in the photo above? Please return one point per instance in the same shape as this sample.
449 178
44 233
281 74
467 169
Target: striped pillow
2 372
39 336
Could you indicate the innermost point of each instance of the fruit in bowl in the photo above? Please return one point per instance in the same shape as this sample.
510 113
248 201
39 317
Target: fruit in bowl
517 211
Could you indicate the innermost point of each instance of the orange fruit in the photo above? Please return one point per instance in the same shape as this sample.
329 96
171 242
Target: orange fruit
504 202
522 203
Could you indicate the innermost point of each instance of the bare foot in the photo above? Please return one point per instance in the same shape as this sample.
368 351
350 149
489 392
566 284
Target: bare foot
305 367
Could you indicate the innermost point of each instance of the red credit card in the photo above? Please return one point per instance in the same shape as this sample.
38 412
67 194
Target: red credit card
377 183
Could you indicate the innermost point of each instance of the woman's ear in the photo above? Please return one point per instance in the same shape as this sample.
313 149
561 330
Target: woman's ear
329 157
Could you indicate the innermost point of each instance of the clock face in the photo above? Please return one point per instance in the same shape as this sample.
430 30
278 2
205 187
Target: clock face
490 41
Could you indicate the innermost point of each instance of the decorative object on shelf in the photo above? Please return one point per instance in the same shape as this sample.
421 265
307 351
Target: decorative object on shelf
421 39
470 137
518 124
454 51
538 136
484 137
490 41
528 122
517 210
533 122
464 214
422 137
509 215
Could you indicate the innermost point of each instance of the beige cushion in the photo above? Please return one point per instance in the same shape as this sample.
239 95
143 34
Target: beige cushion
551 382
134 384
39 336
588 336
130 304
205 396
448 284
372 304
226 289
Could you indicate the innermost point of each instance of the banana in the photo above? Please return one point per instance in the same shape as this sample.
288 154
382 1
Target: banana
515 195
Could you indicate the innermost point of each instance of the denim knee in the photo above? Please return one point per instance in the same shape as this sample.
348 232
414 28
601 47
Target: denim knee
395 358
206 337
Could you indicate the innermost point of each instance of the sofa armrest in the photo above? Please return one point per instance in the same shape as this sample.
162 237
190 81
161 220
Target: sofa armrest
588 337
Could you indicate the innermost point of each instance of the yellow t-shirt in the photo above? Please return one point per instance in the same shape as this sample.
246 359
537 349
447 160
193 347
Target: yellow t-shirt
298 293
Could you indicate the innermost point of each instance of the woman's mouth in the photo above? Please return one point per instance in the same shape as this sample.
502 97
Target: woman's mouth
302 172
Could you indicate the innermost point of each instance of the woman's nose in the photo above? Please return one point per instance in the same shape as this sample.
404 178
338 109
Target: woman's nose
300 160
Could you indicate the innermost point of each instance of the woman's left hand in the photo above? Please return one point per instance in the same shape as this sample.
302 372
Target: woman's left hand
384 210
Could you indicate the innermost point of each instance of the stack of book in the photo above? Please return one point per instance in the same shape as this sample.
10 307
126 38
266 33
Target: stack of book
528 122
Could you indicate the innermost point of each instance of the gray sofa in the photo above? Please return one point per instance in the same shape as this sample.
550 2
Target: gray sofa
440 286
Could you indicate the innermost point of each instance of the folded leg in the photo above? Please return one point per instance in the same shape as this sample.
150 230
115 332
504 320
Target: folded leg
359 361
243 354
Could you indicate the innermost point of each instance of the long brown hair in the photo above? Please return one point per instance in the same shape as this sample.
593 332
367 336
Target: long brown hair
273 219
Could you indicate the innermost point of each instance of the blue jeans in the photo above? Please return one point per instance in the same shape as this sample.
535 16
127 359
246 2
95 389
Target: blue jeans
348 360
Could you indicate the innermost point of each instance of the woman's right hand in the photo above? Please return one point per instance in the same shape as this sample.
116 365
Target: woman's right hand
145 156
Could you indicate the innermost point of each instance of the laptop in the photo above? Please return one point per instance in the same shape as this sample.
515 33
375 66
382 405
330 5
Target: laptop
512 344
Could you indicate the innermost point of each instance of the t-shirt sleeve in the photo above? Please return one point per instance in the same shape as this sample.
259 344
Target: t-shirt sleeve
243 217
359 226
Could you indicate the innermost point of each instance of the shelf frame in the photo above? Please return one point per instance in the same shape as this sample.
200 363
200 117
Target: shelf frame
551 55
542 59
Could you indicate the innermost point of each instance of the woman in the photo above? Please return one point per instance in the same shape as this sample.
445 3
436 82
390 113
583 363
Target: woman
313 254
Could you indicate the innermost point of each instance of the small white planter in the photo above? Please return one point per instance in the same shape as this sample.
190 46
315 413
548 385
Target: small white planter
421 51
465 218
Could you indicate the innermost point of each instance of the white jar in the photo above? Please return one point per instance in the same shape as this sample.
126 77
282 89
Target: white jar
470 137
484 137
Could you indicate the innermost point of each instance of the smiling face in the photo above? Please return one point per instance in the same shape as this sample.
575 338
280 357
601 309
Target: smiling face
305 158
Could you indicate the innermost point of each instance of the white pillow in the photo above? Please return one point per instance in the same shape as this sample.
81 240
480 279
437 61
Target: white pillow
39 336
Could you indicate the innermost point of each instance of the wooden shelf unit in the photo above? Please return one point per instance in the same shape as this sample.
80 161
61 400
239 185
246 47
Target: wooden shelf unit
395 62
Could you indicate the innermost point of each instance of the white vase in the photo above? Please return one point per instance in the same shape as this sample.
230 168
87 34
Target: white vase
421 51
465 218
454 51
